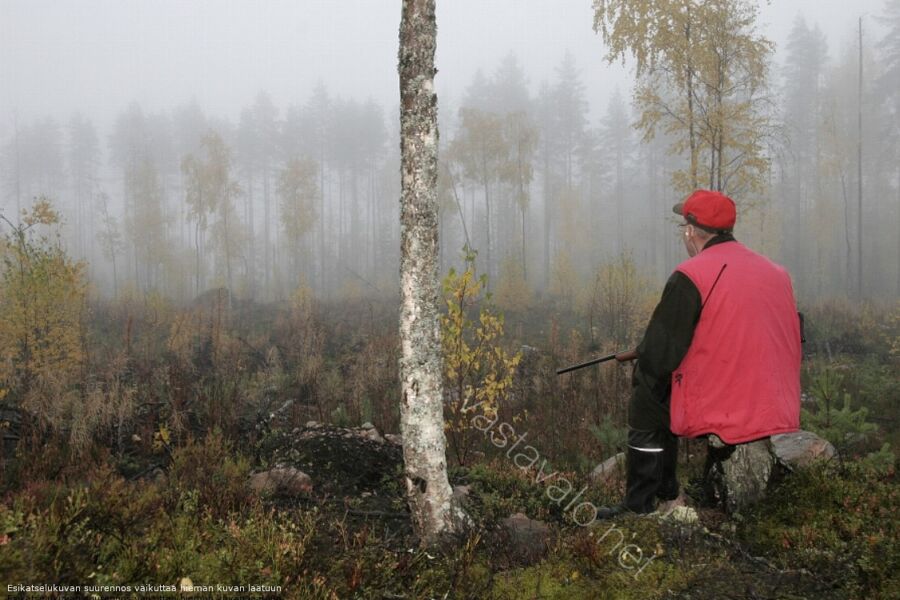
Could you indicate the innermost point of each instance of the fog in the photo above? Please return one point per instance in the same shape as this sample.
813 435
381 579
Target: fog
151 78
96 56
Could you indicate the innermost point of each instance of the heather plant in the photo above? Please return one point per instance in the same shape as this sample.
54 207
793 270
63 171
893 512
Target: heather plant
835 520
210 472
111 531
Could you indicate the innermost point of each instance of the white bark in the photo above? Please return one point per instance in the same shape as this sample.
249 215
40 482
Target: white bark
421 410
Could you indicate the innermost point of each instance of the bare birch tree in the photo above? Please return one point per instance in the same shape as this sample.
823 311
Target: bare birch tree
430 497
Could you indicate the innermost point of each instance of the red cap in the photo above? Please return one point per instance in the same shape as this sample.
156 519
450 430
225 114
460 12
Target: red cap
709 210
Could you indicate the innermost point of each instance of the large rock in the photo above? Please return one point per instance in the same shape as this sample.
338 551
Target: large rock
737 476
525 541
683 515
372 434
286 481
611 470
801 449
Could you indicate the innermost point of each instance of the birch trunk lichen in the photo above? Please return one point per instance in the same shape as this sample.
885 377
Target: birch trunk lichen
430 497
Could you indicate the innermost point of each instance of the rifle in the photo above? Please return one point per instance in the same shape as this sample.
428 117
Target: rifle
619 356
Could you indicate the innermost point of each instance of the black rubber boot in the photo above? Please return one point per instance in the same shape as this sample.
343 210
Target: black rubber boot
650 465
643 474
668 484
610 512
643 471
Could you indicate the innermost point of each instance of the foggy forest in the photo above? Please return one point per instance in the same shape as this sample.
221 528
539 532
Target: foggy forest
201 282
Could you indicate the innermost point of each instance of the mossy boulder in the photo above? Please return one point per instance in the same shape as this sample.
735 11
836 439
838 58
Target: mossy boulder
737 476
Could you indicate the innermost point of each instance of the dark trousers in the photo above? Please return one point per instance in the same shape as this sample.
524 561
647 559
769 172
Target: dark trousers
651 461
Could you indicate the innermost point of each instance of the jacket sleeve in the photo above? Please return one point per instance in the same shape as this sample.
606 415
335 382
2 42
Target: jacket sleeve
665 343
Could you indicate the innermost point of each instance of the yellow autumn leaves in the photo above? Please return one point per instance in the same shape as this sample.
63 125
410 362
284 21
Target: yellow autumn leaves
42 293
41 299
478 371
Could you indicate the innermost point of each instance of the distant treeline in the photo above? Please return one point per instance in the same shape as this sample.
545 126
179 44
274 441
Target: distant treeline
178 202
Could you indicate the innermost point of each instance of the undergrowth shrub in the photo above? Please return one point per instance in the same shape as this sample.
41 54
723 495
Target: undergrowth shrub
836 521
478 370
208 474
833 417
112 532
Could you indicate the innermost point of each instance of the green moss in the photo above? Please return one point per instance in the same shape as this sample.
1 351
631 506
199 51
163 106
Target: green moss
546 580
566 577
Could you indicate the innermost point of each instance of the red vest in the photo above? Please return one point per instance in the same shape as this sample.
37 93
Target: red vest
740 378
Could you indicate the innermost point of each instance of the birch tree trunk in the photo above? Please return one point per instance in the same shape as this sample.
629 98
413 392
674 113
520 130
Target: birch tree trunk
430 497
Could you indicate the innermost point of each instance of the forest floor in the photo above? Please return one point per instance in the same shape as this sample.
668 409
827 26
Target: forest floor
166 499
827 532
358 483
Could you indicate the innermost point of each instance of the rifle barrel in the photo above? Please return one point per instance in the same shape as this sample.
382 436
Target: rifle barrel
586 364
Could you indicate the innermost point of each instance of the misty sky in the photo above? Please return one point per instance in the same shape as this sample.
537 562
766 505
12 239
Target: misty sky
96 56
